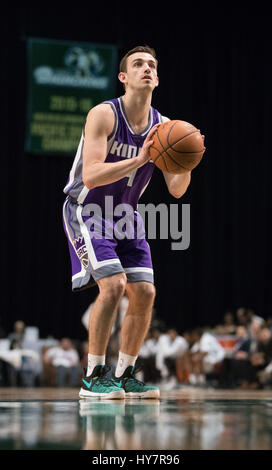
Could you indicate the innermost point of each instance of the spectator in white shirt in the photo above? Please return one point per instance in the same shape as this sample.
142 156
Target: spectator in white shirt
204 357
65 359
206 354
171 346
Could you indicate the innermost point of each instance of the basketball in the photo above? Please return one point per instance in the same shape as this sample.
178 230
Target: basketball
177 147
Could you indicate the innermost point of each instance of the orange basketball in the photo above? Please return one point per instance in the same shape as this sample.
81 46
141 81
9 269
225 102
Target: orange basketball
177 147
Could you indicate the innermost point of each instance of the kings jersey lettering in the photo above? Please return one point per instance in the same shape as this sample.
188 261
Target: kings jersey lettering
124 150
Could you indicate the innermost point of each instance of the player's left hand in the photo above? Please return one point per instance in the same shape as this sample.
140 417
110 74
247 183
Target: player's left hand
143 155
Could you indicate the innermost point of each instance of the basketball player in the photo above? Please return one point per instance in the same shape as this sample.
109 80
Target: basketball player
113 160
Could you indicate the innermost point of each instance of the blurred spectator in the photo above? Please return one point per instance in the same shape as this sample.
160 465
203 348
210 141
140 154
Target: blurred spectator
228 326
22 366
147 356
259 359
10 364
251 355
150 345
250 345
253 330
18 333
204 357
242 338
65 359
30 367
265 359
254 318
171 346
246 317
265 343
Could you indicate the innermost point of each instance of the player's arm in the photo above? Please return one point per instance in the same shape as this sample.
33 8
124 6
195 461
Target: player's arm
177 184
95 171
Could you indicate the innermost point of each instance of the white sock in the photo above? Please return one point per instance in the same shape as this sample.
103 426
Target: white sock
124 361
94 361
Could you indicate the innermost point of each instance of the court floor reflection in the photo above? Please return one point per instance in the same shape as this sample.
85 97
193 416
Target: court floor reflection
40 425
178 424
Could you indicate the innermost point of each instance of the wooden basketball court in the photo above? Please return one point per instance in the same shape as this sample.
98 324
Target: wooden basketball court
184 419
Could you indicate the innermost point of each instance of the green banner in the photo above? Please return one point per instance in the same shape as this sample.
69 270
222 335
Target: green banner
65 80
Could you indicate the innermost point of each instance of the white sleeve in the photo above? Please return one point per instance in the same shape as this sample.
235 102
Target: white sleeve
196 347
215 351
178 346
148 348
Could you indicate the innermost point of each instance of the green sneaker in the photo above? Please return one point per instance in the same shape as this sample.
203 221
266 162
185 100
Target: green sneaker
133 387
100 386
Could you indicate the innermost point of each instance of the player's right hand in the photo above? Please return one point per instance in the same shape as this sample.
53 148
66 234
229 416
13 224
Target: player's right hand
144 155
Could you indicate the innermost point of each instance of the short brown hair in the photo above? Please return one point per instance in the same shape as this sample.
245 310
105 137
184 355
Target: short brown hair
149 50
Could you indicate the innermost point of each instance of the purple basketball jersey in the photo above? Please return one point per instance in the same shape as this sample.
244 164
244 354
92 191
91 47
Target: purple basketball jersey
122 143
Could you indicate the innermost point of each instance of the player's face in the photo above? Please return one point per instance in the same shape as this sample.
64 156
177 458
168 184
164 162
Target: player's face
141 72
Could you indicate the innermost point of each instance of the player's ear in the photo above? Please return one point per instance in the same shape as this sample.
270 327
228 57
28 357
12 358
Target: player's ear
122 77
157 84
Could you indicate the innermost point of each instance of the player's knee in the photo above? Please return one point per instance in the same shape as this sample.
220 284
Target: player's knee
113 287
145 292
149 291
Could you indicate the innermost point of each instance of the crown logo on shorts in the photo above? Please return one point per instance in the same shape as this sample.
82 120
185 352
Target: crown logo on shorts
81 250
78 242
